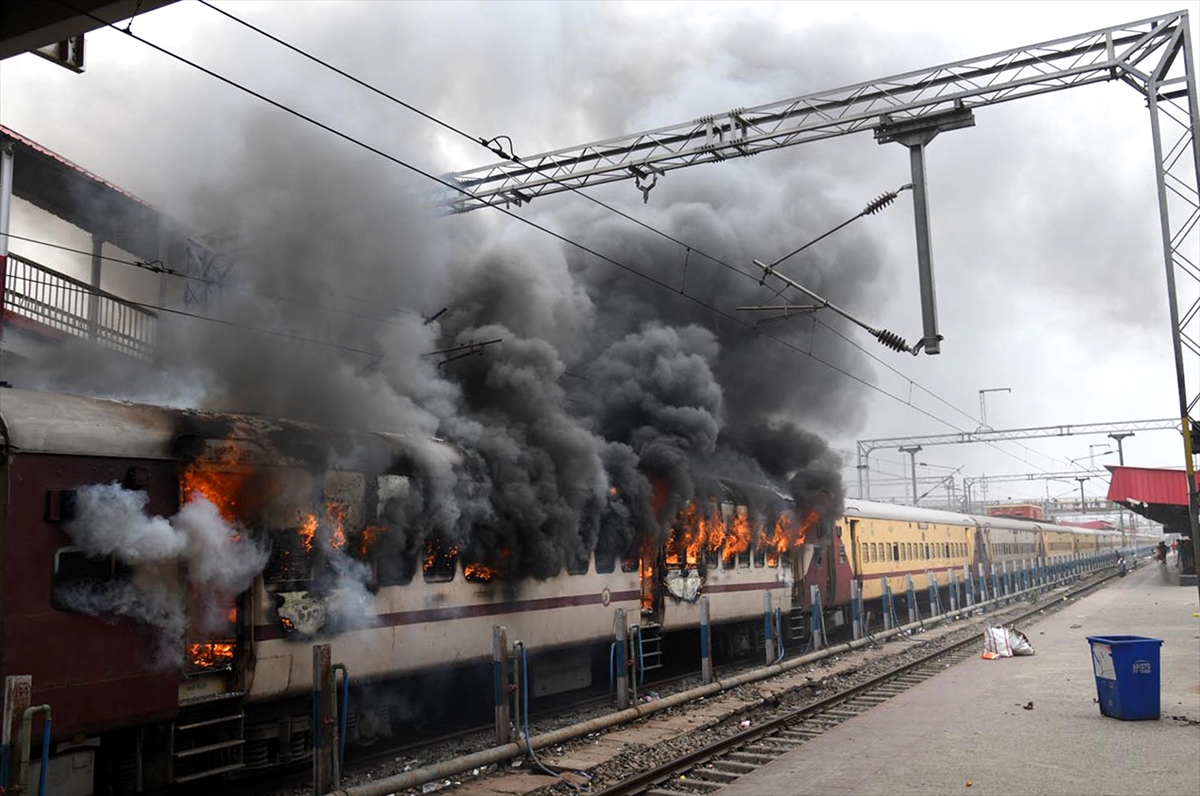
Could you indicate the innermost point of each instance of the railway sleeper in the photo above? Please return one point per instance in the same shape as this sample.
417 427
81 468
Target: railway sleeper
767 751
844 714
714 775
796 735
668 792
750 757
732 766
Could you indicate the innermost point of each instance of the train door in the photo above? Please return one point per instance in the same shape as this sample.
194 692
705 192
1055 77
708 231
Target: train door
855 562
983 543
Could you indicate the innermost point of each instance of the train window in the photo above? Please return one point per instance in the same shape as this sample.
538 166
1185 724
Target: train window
743 558
441 560
578 564
760 557
606 561
395 565
79 576
841 554
863 555
927 551
895 552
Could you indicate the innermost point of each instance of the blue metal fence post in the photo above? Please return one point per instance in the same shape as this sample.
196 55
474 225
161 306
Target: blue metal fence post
913 613
818 620
706 673
995 584
953 591
969 582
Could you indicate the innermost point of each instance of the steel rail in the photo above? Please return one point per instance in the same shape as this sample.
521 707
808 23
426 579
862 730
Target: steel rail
661 774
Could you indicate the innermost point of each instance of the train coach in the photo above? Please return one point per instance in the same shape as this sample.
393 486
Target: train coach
160 668
878 545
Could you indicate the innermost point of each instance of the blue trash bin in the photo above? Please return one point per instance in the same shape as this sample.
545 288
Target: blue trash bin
1127 676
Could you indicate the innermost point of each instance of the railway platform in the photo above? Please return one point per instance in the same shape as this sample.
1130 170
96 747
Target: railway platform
969 731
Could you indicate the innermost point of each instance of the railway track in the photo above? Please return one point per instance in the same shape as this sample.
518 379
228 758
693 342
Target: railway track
711 767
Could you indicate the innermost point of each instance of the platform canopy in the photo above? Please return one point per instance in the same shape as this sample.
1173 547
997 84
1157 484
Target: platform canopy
31 25
1157 494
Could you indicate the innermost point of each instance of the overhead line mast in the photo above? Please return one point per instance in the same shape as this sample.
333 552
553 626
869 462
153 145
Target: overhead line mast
1144 54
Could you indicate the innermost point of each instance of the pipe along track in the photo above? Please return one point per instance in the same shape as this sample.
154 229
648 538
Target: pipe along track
642 782
711 767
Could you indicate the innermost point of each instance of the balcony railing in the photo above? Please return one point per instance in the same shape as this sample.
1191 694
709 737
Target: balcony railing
73 307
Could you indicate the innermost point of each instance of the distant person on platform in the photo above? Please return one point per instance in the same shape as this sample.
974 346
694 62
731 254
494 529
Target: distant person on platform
1162 552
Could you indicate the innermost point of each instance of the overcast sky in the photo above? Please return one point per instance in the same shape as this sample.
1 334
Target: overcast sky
1049 273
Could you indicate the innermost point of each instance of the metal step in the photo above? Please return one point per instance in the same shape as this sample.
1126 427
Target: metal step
212 747
209 722
211 773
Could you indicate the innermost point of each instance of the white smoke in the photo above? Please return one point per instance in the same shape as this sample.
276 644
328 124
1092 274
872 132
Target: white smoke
219 560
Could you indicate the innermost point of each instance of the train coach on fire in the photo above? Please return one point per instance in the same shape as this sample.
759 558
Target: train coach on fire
165 572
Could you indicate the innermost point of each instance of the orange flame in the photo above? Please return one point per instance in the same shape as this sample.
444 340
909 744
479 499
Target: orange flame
211 655
307 530
336 512
478 573
370 535
436 557
647 572
218 480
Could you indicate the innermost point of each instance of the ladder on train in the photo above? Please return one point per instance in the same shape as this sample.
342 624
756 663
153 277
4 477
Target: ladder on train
208 737
798 624
651 647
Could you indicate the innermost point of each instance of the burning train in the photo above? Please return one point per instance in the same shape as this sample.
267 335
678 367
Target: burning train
166 571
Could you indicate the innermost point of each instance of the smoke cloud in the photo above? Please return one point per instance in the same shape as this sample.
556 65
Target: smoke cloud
608 402
220 561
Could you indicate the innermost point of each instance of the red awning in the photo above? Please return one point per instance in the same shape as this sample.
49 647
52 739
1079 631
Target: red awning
1147 485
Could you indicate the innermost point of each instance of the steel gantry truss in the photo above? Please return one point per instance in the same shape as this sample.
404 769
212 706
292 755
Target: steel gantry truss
1153 55
867 446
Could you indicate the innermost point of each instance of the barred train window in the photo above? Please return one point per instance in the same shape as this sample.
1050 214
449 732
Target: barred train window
79 578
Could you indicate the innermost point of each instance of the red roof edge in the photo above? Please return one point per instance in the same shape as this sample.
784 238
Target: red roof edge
1147 485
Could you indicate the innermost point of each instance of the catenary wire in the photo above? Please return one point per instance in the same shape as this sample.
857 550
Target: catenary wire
497 150
513 157
556 235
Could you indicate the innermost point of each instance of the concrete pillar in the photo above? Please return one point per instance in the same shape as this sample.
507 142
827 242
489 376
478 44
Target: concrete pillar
886 601
500 681
913 613
818 619
322 730
706 671
855 616
768 635
622 662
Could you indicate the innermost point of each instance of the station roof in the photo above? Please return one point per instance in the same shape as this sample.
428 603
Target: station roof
65 189
28 26
1158 494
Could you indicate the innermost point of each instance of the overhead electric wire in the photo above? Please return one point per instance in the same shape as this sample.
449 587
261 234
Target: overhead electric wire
870 209
225 285
223 322
558 236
